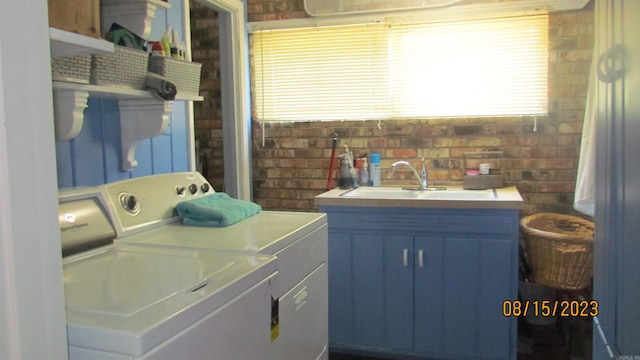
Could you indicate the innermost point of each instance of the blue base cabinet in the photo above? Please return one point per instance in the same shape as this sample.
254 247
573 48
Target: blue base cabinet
422 283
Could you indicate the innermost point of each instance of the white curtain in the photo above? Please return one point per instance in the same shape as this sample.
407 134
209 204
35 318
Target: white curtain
584 197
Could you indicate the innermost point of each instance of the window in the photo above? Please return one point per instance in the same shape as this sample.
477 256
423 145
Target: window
487 67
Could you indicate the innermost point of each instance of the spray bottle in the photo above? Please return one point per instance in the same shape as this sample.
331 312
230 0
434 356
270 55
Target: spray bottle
375 169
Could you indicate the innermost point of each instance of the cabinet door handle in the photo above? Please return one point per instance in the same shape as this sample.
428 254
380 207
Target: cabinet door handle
421 258
405 257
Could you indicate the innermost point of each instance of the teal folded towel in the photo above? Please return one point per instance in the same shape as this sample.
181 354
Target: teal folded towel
217 210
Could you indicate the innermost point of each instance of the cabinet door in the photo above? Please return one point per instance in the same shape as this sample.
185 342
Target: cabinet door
367 266
428 291
371 291
340 286
609 149
497 281
382 290
356 289
616 275
628 310
448 282
460 284
398 292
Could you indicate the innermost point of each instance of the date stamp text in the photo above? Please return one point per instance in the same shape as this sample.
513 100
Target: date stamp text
547 308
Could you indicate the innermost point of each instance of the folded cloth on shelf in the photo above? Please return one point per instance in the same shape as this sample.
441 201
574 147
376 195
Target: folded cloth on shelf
217 210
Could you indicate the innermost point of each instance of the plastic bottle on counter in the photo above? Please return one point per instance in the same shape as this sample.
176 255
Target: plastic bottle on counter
365 180
374 159
344 176
355 172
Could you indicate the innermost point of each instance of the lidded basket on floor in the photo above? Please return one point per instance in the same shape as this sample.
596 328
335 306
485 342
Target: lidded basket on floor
559 249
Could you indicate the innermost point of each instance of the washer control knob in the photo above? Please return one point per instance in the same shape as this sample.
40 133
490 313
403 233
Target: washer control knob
180 190
205 187
193 188
132 202
129 203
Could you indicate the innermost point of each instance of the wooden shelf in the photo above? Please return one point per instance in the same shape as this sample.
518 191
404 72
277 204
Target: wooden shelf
142 116
65 43
116 92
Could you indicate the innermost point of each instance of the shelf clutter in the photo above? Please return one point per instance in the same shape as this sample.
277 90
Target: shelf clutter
135 15
184 74
483 170
128 25
116 64
124 67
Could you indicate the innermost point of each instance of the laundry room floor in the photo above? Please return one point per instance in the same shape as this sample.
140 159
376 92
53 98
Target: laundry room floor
566 339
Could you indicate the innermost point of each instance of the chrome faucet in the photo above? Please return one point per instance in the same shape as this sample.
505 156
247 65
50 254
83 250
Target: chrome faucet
422 177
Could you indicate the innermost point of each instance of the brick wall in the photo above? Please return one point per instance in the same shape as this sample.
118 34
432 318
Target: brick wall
205 47
291 167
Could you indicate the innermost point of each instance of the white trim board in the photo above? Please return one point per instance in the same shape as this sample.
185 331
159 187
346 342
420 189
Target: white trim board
236 113
453 13
31 286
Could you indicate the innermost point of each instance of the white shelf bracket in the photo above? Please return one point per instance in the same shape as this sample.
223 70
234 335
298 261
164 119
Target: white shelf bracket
135 15
69 112
140 119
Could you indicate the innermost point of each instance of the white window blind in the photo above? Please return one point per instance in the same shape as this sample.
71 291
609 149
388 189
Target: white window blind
322 73
487 67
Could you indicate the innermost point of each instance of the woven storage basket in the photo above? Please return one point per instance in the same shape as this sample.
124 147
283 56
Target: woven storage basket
124 67
560 249
185 75
76 69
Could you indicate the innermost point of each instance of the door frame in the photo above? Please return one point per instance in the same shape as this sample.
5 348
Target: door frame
236 111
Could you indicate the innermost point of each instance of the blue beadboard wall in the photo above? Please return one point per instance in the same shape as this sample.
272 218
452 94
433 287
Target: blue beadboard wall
94 157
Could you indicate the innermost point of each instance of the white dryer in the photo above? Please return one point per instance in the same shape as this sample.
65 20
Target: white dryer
132 302
297 239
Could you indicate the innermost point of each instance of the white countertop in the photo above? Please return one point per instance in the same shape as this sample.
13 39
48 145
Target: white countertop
506 198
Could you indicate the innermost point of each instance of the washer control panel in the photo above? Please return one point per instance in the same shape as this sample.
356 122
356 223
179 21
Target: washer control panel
139 203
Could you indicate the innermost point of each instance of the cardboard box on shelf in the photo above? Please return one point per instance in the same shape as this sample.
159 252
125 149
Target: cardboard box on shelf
77 16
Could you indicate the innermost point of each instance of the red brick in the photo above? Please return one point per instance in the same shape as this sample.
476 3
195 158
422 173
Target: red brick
289 173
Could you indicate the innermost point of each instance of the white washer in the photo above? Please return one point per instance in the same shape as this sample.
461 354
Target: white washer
132 302
297 239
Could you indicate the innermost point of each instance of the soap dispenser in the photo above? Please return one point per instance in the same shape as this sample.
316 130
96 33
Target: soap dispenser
364 173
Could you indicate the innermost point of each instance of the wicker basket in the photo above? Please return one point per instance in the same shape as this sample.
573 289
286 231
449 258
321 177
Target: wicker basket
76 69
185 75
560 249
124 67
